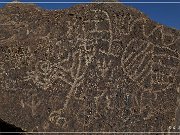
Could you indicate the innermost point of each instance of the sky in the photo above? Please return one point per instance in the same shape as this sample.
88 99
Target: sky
164 13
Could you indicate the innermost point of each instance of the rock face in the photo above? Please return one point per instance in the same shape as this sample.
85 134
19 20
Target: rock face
91 68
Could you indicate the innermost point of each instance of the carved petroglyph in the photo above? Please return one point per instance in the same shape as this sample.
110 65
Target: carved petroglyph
41 128
89 55
90 69
57 118
123 25
33 105
32 101
44 74
165 38
143 61
77 72
2 69
99 30
17 55
77 76
126 23
88 46
134 53
153 66
103 67
9 36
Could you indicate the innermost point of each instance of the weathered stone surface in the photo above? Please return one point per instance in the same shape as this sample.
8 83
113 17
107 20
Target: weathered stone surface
93 67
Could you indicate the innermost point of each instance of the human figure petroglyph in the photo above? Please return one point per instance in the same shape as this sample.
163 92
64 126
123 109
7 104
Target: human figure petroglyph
34 105
31 102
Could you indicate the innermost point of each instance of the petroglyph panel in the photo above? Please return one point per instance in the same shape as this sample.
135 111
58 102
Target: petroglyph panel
90 68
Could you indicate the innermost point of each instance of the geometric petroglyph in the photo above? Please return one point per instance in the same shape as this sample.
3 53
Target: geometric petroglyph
44 74
98 29
137 60
150 65
87 68
17 55
103 67
76 72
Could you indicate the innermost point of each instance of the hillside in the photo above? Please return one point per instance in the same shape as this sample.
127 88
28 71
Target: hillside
89 68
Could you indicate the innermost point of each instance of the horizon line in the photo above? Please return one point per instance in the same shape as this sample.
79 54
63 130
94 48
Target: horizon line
90 132
54 2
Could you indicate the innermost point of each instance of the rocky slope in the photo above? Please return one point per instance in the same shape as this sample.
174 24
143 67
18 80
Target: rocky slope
92 67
